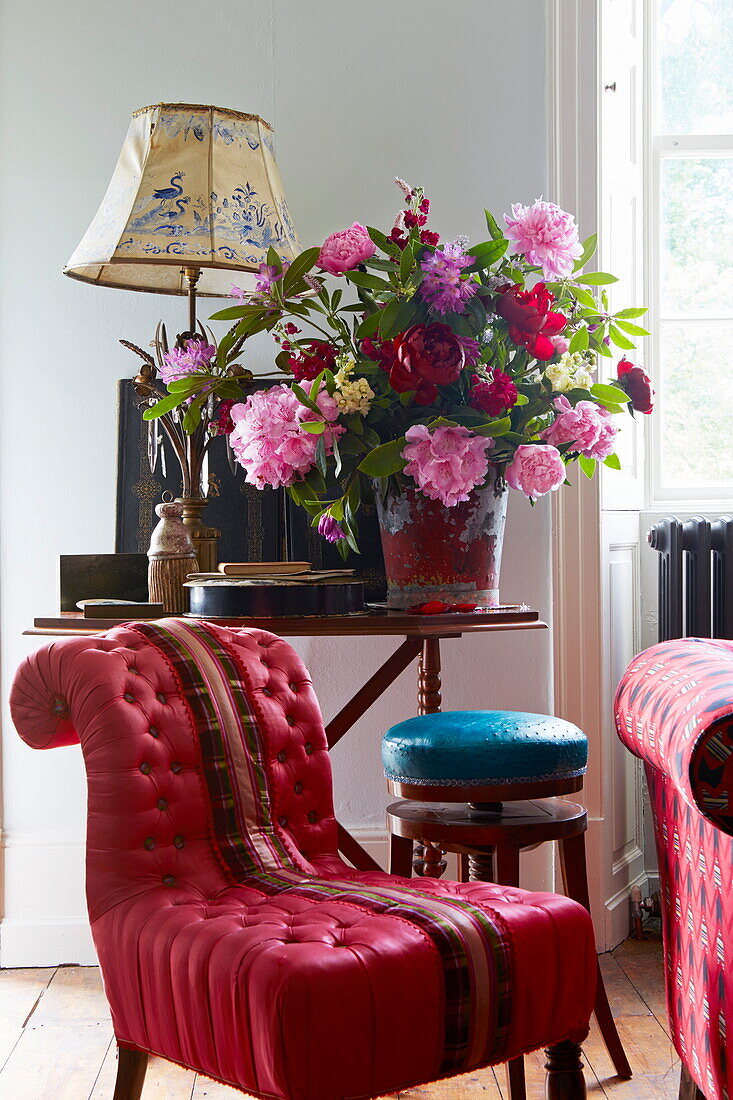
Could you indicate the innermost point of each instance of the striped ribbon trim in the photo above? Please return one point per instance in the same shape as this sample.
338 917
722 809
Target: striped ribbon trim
469 941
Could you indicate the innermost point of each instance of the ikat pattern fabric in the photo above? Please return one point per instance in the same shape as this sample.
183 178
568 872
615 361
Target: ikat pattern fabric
674 710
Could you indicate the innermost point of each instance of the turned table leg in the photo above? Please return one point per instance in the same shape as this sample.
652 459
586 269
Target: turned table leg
429 700
565 1080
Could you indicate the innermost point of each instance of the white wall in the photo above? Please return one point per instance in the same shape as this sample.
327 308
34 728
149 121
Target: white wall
449 95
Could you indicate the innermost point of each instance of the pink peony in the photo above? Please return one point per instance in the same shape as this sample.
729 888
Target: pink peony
446 464
345 250
535 470
545 235
588 428
268 440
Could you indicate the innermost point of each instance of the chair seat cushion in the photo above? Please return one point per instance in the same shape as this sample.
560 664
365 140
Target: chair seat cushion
350 984
471 747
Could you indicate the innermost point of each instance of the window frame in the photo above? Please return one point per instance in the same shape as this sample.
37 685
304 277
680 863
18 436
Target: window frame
658 148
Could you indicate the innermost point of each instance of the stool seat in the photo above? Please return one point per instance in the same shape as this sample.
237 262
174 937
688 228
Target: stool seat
478 754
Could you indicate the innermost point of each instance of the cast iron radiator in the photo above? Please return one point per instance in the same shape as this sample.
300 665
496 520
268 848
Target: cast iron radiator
695 577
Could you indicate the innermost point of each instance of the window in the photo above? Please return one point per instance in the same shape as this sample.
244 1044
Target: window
691 248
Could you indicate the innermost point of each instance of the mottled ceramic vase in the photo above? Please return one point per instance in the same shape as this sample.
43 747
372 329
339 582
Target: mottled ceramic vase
432 552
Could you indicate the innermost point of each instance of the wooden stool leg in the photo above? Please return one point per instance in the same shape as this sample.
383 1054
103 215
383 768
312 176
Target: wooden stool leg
463 875
400 855
507 864
565 1080
131 1066
575 881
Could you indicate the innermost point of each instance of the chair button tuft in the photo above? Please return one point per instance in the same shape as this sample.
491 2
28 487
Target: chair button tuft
154 732
160 697
281 757
289 719
169 880
128 698
298 788
146 768
162 804
294 688
308 748
282 821
312 816
267 692
149 843
178 842
176 767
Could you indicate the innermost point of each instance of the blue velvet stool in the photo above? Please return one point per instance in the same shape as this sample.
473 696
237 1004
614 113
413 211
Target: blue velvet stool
506 768
483 755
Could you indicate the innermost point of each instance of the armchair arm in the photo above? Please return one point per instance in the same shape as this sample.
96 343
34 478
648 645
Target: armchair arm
674 710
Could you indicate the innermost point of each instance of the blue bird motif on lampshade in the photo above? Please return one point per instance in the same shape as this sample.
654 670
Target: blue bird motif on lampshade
173 191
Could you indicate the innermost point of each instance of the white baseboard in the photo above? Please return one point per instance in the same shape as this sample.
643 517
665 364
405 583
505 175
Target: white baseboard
53 942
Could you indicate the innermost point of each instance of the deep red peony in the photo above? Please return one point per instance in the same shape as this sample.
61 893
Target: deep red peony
637 384
382 352
495 396
426 356
310 359
531 322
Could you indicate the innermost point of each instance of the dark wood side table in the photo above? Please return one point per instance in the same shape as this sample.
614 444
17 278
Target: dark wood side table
421 634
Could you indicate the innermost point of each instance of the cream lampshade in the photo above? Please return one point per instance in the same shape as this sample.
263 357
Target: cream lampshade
195 200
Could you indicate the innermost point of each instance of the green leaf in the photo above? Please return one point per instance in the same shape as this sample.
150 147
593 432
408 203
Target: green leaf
619 339
487 253
579 341
585 298
382 241
273 259
632 311
627 326
315 427
385 460
604 393
589 246
407 261
587 465
298 268
613 462
165 405
305 399
231 313
369 325
367 281
493 428
597 278
491 224
603 349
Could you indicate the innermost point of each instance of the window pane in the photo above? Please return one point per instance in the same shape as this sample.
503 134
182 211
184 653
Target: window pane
696 384
696 66
697 236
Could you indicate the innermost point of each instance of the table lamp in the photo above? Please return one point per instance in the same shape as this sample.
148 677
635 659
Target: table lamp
193 206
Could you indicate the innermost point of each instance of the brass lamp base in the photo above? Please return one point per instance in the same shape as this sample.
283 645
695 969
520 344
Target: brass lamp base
204 538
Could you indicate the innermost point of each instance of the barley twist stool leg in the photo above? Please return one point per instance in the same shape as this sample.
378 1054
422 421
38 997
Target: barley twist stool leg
565 1080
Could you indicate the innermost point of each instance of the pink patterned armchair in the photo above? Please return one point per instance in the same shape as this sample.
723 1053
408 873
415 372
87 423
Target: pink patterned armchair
232 937
674 709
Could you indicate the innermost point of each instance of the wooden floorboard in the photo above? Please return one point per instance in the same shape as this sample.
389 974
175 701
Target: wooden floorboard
56 1042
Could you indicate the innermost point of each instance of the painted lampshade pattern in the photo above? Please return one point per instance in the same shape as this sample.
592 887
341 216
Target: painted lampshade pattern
194 186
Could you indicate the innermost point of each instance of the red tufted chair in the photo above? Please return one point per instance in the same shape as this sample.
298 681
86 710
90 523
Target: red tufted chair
674 709
231 936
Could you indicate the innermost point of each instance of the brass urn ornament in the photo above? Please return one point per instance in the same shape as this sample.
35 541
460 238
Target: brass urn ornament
171 557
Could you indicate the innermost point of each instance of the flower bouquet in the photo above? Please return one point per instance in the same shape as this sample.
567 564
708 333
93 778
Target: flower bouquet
450 372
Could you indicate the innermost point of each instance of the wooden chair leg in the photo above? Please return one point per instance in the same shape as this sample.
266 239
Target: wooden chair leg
131 1066
400 855
515 1079
688 1088
565 1079
463 867
507 864
575 881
